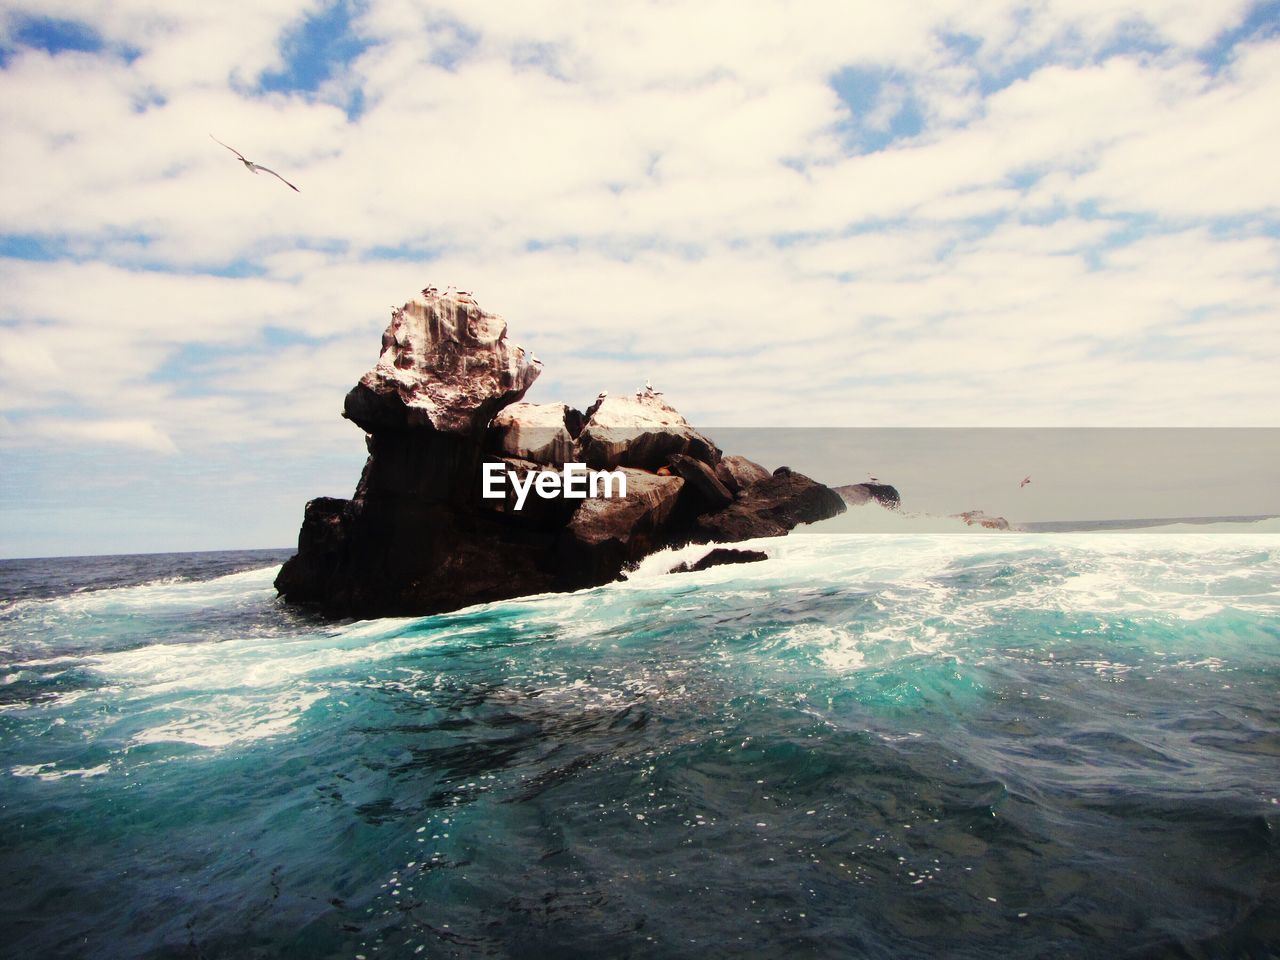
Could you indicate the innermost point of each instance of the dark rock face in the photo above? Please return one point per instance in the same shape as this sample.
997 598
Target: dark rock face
737 473
856 494
710 493
771 507
719 557
606 535
418 537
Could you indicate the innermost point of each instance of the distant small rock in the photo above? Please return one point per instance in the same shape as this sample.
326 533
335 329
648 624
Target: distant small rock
719 557
856 494
980 519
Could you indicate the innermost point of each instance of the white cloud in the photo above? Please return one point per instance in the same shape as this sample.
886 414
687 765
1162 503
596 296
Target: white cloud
138 434
649 190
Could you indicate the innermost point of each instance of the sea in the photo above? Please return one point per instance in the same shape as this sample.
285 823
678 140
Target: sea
1014 745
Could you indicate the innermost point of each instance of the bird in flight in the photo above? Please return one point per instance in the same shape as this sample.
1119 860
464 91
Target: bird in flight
255 167
1025 481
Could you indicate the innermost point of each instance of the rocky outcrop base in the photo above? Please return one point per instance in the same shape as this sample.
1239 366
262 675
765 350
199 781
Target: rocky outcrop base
418 537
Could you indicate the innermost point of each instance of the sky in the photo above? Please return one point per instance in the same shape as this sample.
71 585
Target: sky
839 214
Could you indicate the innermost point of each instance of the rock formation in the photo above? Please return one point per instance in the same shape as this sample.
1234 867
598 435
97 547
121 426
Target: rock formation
720 557
981 519
856 494
417 536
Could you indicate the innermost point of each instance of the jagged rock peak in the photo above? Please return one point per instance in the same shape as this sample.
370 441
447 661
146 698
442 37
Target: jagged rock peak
640 431
445 363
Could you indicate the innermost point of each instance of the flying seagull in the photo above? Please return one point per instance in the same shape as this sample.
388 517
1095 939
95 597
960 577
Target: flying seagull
1024 482
255 167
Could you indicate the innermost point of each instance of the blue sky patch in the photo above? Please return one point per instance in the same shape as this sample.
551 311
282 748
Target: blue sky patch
29 246
1131 38
866 91
317 48
285 337
408 252
1262 22
126 248
57 36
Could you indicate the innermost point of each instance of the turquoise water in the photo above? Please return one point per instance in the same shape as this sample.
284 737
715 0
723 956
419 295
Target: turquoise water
869 746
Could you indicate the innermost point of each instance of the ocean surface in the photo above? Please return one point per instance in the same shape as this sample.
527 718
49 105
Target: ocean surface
915 745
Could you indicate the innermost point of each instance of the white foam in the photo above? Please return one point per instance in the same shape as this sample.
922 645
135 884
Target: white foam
224 720
234 589
49 771
245 689
873 518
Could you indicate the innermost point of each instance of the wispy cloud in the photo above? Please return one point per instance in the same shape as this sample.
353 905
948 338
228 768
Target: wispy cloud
138 434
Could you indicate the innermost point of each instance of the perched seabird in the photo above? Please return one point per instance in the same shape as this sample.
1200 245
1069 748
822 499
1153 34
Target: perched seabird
255 167
871 479
534 359
1025 481
602 394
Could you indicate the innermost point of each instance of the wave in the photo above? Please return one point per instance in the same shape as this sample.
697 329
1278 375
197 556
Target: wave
952 723
218 662
1265 525
872 518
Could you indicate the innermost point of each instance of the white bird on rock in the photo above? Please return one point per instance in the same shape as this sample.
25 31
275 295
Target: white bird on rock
255 167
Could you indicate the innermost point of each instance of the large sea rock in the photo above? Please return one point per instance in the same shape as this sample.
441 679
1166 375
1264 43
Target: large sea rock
444 399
